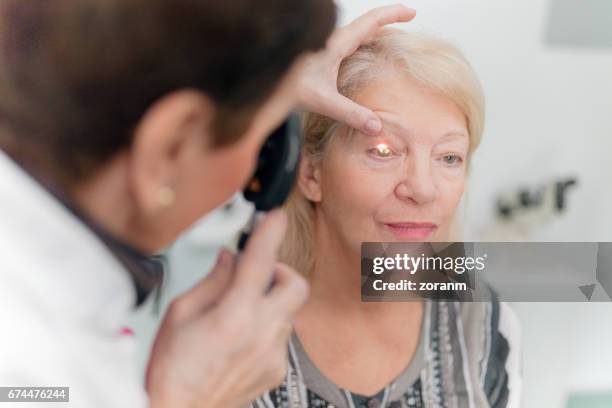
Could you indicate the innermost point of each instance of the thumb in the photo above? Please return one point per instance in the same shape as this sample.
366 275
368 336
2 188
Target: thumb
212 287
342 109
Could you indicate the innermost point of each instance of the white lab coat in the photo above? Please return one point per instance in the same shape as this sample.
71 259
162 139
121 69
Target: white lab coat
64 299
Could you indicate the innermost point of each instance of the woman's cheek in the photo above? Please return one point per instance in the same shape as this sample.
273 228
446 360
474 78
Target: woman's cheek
451 190
352 187
451 173
451 195
374 179
450 179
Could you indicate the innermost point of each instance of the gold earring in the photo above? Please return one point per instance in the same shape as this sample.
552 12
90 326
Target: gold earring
165 196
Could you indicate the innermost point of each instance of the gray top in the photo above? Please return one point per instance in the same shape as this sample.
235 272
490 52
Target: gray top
321 385
466 356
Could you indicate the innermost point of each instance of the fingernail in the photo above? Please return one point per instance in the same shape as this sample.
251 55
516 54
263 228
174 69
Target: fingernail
277 213
219 259
223 257
373 126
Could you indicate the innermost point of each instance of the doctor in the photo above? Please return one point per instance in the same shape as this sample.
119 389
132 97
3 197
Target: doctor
122 122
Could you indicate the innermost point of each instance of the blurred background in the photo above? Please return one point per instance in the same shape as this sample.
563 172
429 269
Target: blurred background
542 173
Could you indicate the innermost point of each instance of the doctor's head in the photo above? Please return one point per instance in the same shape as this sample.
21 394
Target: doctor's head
130 105
406 183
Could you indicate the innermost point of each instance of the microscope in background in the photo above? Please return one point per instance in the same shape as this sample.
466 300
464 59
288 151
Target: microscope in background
535 204
520 211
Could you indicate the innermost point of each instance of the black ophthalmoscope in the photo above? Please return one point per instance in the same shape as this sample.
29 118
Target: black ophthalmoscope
275 172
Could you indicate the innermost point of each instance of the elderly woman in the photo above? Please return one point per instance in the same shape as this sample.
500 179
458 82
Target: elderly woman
403 185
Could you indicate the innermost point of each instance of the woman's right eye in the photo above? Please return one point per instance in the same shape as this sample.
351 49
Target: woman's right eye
381 151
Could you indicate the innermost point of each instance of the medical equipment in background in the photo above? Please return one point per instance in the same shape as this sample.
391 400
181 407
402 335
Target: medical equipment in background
521 211
535 205
275 173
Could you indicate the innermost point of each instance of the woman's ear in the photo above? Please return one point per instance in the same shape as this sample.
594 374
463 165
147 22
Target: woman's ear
170 133
309 178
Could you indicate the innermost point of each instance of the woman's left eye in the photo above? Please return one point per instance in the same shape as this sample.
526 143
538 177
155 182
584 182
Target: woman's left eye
452 159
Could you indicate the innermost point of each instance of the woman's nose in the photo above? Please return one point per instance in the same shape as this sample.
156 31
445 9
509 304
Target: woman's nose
417 183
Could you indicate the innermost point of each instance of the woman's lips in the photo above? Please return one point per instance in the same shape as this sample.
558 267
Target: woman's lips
412 230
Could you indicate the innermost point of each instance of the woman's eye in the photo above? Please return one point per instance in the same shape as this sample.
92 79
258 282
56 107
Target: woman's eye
452 159
382 150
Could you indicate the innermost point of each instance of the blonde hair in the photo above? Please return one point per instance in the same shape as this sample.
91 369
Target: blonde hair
433 63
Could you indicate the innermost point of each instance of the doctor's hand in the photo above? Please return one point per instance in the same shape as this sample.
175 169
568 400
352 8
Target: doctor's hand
224 342
317 89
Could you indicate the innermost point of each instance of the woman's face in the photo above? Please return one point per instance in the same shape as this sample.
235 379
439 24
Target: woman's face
406 183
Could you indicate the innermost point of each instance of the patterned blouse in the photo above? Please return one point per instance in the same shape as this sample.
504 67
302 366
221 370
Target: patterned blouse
467 357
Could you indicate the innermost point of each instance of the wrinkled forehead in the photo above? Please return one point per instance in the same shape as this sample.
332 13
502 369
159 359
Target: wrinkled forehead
406 126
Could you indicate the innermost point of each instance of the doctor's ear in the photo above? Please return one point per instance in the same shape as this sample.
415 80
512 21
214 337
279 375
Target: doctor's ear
168 143
309 178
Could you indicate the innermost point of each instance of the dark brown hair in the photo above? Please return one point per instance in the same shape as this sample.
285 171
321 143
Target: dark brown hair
76 76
